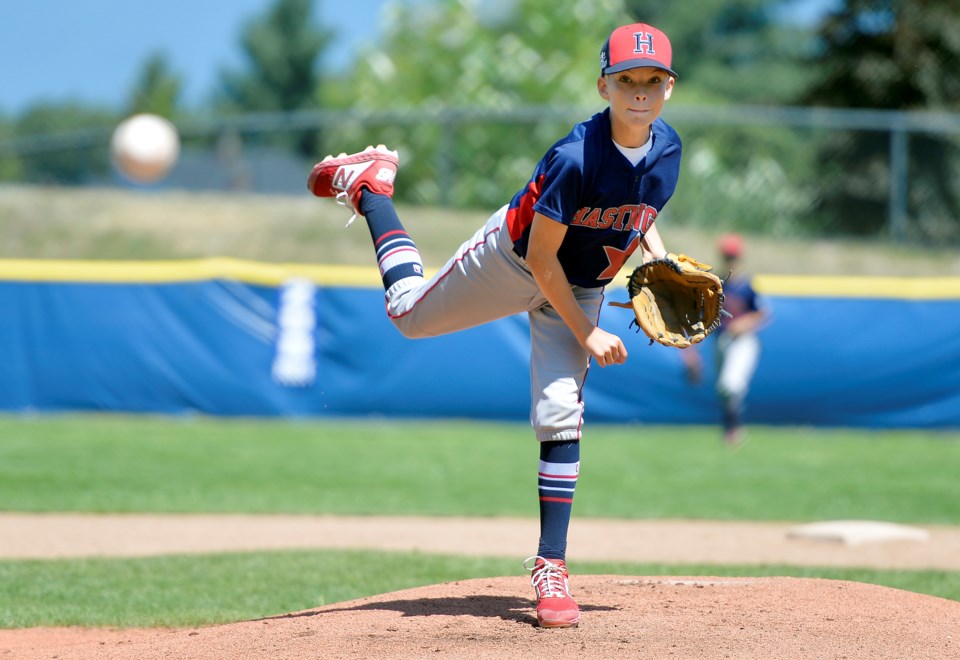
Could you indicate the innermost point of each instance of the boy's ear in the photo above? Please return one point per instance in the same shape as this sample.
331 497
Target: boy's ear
669 90
602 88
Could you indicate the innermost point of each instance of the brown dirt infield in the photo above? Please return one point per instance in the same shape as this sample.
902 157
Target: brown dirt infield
643 616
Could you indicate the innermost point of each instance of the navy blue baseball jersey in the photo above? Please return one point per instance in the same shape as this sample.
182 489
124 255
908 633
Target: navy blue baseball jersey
739 298
607 204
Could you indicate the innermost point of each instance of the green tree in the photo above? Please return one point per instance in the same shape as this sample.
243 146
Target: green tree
157 90
282 50
9 161
487 54
732 51
73 139
453 58
894 55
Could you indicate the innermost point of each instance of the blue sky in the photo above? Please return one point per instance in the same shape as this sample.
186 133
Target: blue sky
93 50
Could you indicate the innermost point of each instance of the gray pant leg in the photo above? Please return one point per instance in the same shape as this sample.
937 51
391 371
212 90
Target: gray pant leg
558 369
482 282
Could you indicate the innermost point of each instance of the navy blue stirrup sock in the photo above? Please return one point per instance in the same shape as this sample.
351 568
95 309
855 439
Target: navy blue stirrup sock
556 482
397 254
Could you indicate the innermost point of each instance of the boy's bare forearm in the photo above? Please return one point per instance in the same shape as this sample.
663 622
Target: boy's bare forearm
545 240
651 245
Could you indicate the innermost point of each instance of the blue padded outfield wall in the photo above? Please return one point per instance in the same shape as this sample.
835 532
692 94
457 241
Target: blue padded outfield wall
227 337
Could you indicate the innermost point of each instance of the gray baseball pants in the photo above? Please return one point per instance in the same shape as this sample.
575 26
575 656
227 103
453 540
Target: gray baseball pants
485 280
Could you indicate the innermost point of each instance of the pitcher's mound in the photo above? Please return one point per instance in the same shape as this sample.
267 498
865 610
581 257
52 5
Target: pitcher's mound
688 617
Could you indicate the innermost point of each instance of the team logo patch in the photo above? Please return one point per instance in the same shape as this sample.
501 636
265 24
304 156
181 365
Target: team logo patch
644 43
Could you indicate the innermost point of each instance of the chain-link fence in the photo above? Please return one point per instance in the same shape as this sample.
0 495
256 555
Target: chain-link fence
785 171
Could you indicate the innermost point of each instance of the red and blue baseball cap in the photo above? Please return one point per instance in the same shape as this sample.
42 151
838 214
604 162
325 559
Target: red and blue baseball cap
638 44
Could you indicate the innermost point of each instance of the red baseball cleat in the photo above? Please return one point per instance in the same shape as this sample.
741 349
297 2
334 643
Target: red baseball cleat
346 176
556 607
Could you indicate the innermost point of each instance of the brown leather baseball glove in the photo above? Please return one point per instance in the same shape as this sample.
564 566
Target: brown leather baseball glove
677 301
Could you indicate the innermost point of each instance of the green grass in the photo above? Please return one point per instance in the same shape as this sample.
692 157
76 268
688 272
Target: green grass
108 463
183 591
202 589
155 464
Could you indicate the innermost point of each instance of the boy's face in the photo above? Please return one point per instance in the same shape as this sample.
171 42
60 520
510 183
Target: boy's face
636 96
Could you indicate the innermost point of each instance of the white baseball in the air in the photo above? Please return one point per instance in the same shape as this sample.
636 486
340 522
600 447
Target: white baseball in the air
144 147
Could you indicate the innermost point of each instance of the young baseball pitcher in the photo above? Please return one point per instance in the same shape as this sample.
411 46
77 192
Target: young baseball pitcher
590 204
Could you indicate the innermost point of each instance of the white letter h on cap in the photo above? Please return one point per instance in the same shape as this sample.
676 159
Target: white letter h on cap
644 43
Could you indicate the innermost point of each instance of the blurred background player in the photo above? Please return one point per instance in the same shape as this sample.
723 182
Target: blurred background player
736 341
590 204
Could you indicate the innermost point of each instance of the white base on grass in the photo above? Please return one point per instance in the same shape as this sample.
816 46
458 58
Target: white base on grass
856 532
